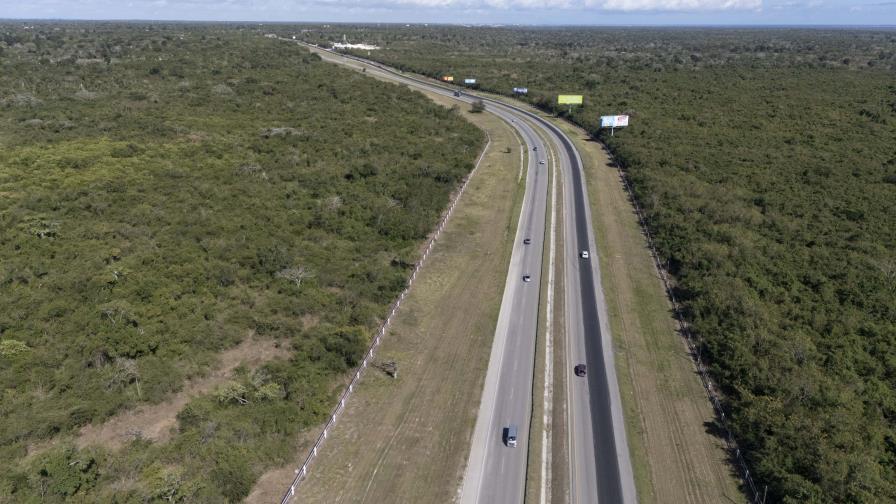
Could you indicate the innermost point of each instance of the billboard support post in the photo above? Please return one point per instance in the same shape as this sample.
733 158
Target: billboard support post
613 122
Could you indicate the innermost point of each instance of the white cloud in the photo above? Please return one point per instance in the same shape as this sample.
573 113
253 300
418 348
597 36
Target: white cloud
480 4
610 5
677 5
245 8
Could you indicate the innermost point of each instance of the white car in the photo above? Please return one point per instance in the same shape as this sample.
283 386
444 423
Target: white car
584 254
527 278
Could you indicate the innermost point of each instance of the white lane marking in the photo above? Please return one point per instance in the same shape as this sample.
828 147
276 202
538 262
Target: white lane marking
567 353
523 145
570 414
476 462
546 437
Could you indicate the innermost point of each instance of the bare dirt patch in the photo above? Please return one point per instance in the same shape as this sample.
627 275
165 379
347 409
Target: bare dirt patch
154 422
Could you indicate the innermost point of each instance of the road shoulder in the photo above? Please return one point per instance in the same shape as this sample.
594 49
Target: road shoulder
665 407
666 410
406 439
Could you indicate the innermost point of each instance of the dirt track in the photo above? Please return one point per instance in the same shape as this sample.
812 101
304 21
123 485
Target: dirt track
154 422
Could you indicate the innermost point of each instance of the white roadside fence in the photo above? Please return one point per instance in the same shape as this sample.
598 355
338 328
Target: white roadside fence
302 471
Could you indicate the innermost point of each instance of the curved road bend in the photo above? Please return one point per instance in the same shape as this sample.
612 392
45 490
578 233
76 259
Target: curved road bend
600 468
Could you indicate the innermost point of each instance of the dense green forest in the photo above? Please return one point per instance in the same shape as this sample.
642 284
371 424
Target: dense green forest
164 192
765 161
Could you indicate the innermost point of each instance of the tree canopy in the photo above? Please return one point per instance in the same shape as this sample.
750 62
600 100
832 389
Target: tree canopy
167 190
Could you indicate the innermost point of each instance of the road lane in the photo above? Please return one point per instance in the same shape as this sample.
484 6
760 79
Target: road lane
502 469
600 469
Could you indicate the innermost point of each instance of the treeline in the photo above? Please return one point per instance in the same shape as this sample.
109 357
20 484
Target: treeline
166 191
766 163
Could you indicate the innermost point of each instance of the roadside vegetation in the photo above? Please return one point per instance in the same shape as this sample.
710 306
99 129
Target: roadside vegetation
407 439
766 165
168 191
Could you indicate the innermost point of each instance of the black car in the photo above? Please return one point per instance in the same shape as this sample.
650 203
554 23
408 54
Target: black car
527 241
527 278
579 370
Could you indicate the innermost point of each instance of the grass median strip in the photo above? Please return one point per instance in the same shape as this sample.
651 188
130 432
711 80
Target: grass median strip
674 457
406 439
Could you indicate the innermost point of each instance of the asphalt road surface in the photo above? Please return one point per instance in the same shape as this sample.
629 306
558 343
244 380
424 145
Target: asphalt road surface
600 468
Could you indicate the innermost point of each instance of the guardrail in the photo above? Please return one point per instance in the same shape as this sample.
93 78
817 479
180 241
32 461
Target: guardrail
302 471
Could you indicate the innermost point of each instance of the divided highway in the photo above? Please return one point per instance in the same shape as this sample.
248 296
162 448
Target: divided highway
600 469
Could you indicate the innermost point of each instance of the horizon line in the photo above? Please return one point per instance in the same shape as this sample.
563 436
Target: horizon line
442 23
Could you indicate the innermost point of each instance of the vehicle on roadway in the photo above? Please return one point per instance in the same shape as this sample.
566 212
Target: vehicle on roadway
510 433
579 370
457 93
527 278
527 241
584 254
541 162
535 148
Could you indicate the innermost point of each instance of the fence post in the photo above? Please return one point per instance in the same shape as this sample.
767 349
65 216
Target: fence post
685 330
384 327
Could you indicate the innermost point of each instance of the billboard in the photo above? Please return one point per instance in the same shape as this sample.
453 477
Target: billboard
520 90
614 121
569 99
469 81
448 78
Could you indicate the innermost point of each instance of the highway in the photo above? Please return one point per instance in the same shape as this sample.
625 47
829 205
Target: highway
600 468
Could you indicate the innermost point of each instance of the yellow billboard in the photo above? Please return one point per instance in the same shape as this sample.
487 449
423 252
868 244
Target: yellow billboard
569 99
448 78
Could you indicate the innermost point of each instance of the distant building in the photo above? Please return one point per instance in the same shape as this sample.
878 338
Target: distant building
362 47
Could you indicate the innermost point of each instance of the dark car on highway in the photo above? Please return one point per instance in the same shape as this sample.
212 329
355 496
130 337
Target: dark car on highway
509 434
579 370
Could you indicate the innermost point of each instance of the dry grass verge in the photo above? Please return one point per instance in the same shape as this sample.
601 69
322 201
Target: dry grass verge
666 409
675 458
407 439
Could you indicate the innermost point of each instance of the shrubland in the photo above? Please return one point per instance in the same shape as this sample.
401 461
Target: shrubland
765 161
168 190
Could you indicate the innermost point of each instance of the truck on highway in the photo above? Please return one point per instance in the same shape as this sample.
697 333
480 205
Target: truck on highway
510 433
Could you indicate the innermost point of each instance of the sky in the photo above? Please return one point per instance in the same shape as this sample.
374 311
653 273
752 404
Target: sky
529 12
